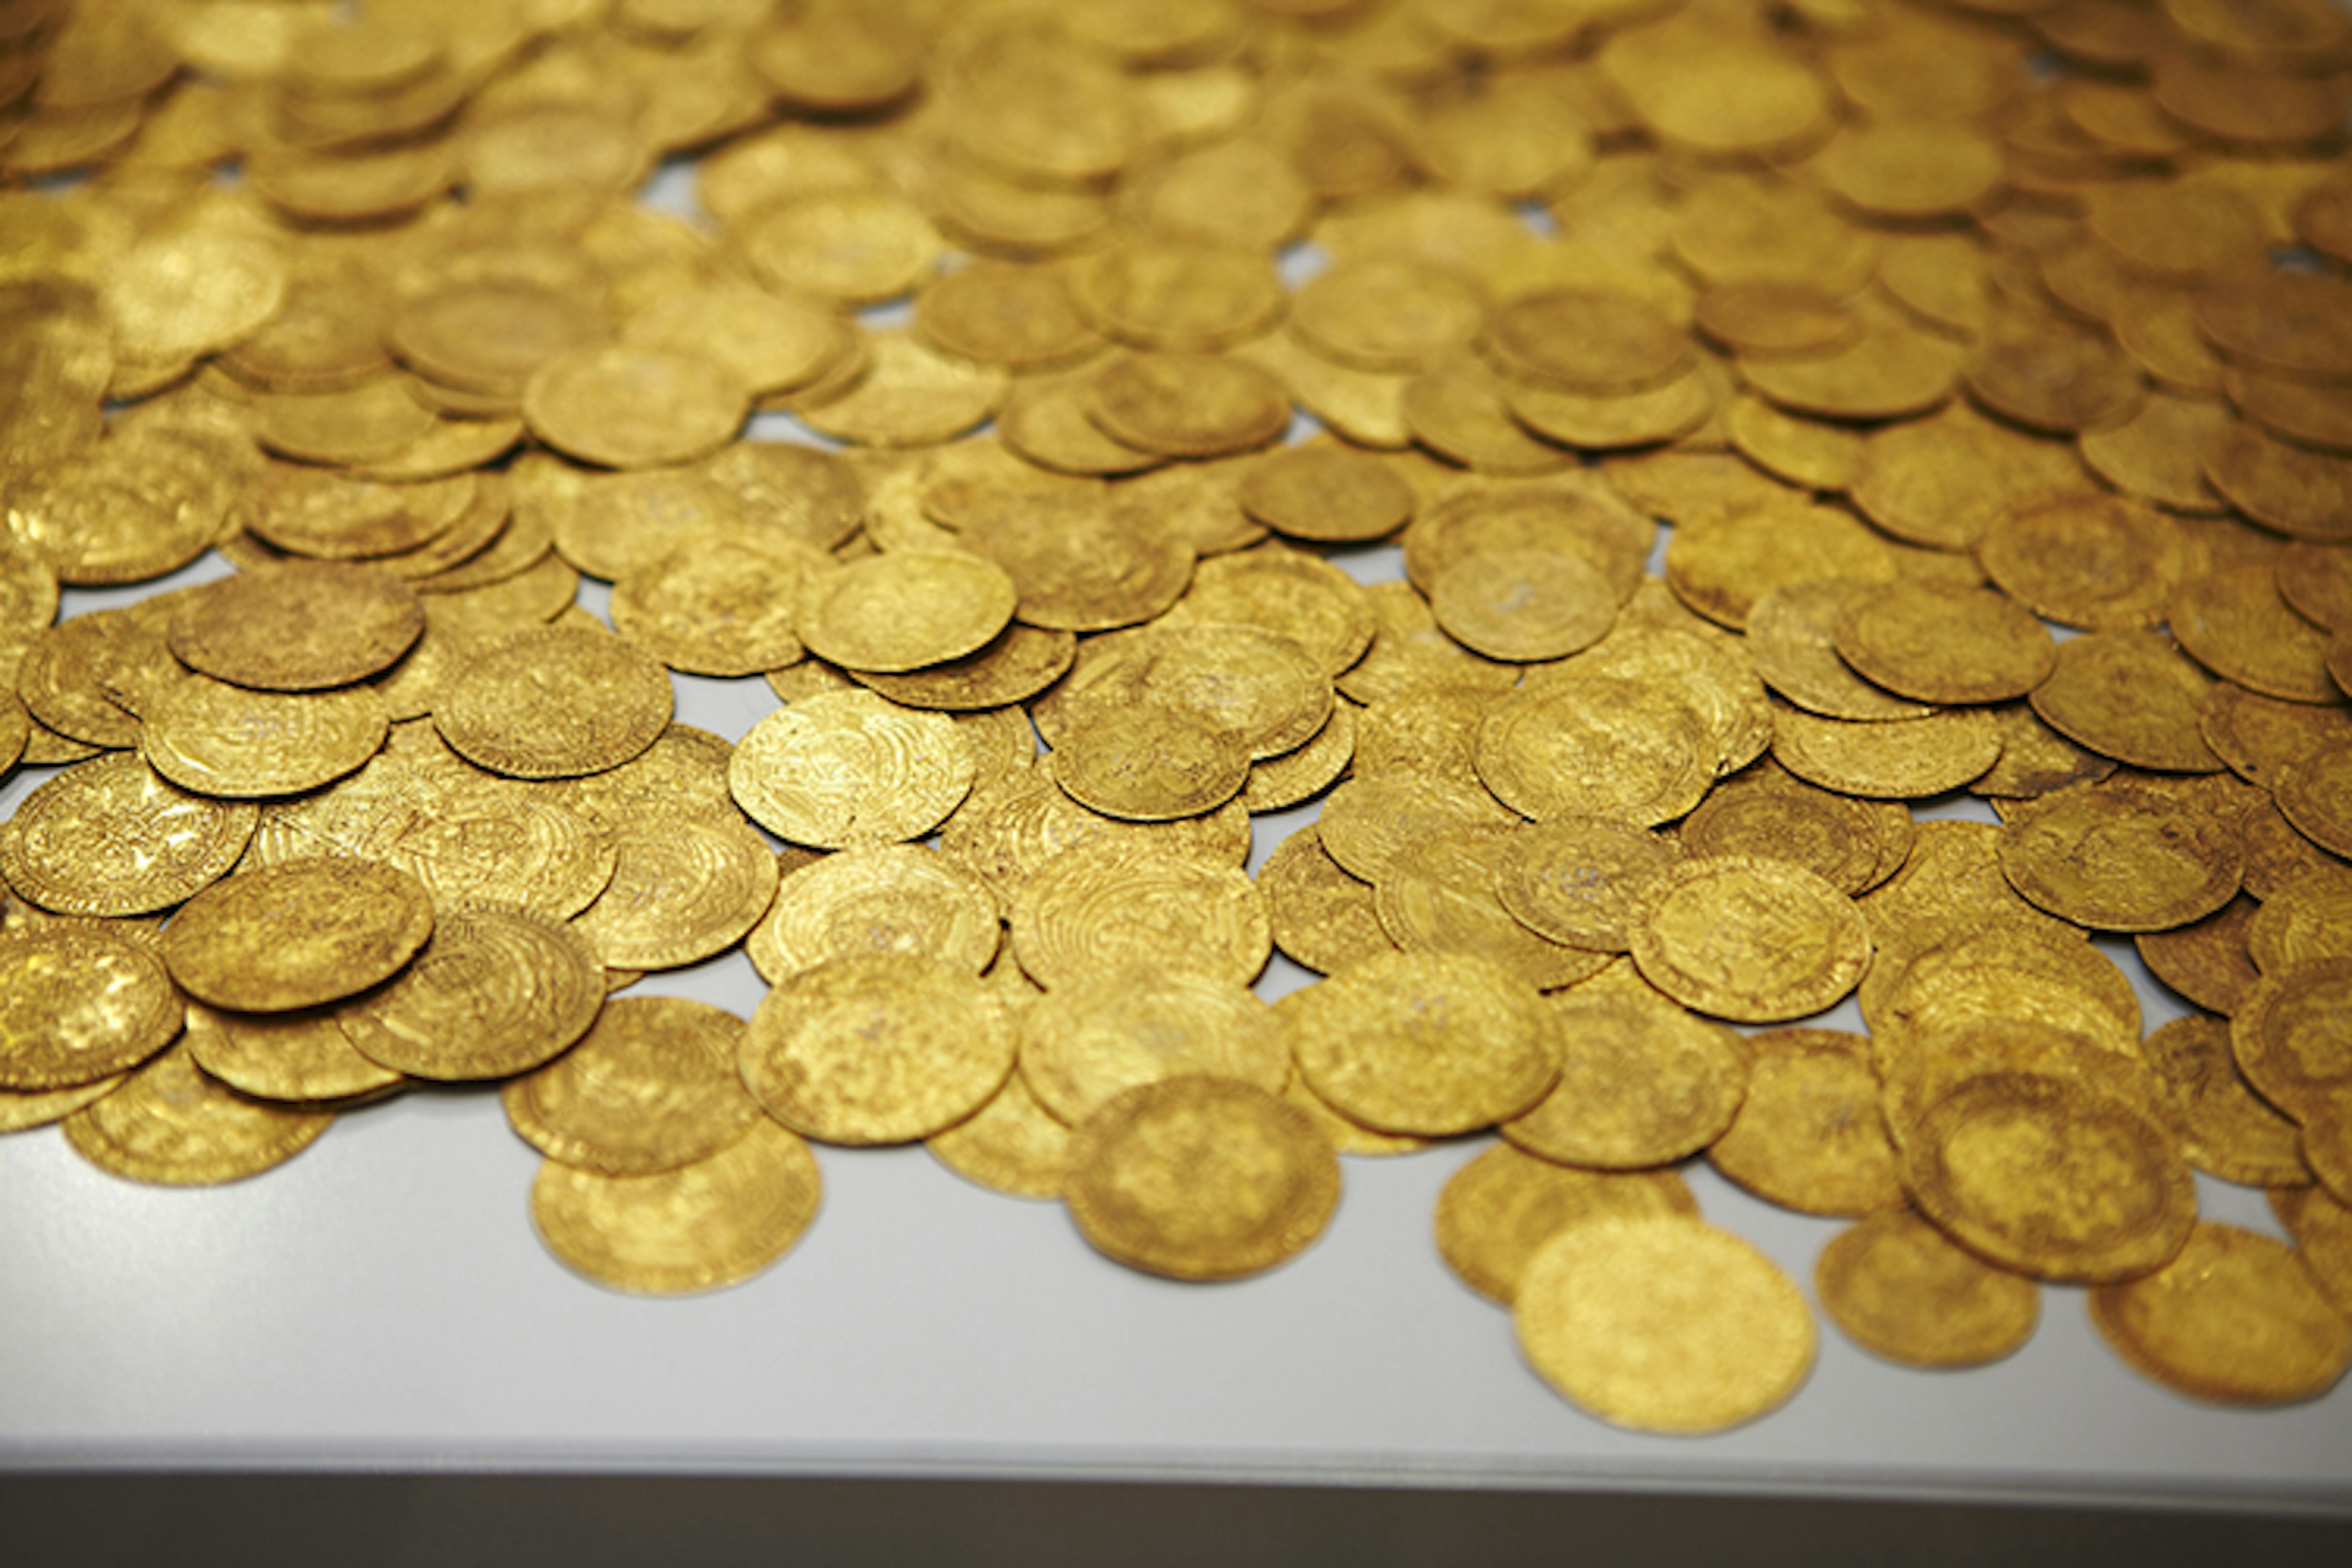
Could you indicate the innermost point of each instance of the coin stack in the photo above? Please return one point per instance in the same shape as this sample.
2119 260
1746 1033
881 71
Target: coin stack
1901 332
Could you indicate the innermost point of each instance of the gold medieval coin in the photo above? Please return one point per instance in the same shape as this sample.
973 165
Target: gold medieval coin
2055 379
1499 1209
555 702
2236 1318
2225 1128
1523 605
78 1002
229 742
1111 905
651 1085
1425 1043
112 836
1935 642
1809 1135
2120 859
1079 564
301 1057
1663 1323
1152 764
1201 1178
1388 312
1010 1145
173 1125
882 1049
1904 1292
2314 792
1187 405
1461 410
709 1223
21 1111
1329 494
1006 834
2051 1177
908 396
1748 938
1083 1045
1721 566
1580 881
1792 638
634 408
682 890
2159 454
2281 485
1593 746
1586 340
496 991
1262 687
774 342
848 768
1812 453
2100 563
1296 777
906 610
2291 1034
897 898
297 935
1015 665
2236 623
1851 844
716 604
2132 696
1441 898
1286 593
1906 759
1177 293
2206 961
1642 1082
1019 317
847 247
1894 370
1370 823
1322 918
331 516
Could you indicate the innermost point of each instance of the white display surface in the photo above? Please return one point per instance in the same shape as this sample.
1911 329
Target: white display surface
383 1302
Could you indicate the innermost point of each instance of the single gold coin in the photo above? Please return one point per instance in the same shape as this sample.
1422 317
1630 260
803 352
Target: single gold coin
2314 792
1152 764
907 609
2132 696
1322 918
1906 759
716 604
300 625
2237 624
1112 905
297 935
1327 494
1020 317
301 1057
650 1086
78 1004
848 768
1083 1045
885 1048
1441 898
1752 940
907 396
2236 1318
2291 1034
1580 881
1187 405
774 342
897 898
496 991
1904 1292
700 1225
1499 1209
1809 1135
1663 1323
112 836
1523 605
1392 313
849 246
1642 1082
555 702
2206 961
172 1125
1936 643
1425 1043
2051 1177
1852 844
2099 562
2120 859
1078 564
683 890
2225 1128
1586 340
1201 1178
1010 1145
1593 746
228 743
634 408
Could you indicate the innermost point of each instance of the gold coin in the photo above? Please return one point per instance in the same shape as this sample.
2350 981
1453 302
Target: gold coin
716 604
893 899
1499 1209
1441 898
883 1049
1079 564
1015 665
112 836
1261 687
634 408
710 1223
1586 340
1801 451
1110 905
2225 1128
1934 643
1392 313
555 702
906 610
1641 1083
1187 405
1084 1043
2312 792
494 992
1150 763
78 1002
2120 859
1523 605
224 741
1809 1135
847 768
1722 566
1748 938
1663 1323
1286 592
1600 423
1593 746
1330 494
1010 1145
2052 1178
853 247
2132 696
2206 961
172 1125
297 935
1903 1292
2235 1318
2099 562
1007 833
1322 918
1019 317
1852 844
301 1057
2291 1034
651 1085
332 517
1578 880
1908 759
1426 1042
1201 1178
1177 293
1461 411
774 342
682 890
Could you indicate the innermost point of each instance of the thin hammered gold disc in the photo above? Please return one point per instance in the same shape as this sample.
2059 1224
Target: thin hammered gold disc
1751 940
297 935
79 1003
494 992
555 702
172 1125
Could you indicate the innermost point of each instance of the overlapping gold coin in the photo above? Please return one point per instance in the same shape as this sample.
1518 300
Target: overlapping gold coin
1912 348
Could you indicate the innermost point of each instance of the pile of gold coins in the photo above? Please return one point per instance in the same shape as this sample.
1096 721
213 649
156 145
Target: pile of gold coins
1924 327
